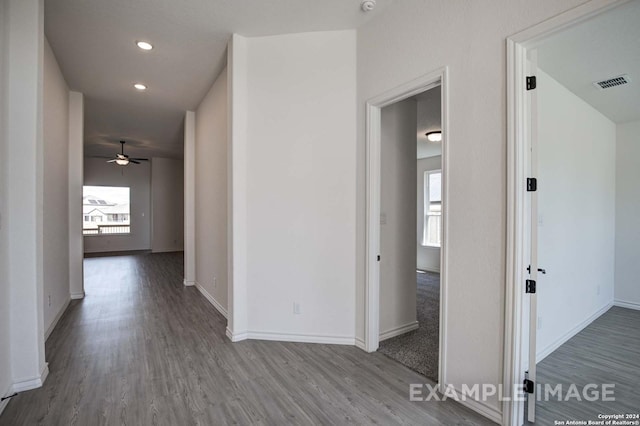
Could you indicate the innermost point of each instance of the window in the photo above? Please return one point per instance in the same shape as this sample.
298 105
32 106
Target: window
432 229
106 210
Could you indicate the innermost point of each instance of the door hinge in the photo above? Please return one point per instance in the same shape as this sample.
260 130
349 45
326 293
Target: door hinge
531 82
532 184
530 286
378 258
529 386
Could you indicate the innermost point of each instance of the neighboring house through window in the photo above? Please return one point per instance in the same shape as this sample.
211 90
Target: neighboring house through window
106 210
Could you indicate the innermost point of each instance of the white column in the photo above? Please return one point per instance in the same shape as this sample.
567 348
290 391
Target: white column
76 180
25 197
190 198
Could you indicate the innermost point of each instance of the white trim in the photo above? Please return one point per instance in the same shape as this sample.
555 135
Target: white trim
439 77
7 392
517 122
397 331
76 296
360 344
236 337
211 299
31 382
540 355
478 406
301 338
57 318
429 269
628 305
188 283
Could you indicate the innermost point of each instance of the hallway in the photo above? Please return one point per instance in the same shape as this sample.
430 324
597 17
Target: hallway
142 349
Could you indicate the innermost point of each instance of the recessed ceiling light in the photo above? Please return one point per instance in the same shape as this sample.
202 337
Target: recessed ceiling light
140 86
144 45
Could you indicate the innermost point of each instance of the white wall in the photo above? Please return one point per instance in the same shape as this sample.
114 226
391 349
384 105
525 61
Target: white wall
5 355
76 179
576 208
409 40
211 193
24 196
397 225
167 204
627 287
298 155
97 172
56 190
427 258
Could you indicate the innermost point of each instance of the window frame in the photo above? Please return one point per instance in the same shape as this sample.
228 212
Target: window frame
427 211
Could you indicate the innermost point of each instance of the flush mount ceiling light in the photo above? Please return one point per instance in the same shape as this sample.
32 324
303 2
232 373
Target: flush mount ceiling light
144 45
140 86
434 136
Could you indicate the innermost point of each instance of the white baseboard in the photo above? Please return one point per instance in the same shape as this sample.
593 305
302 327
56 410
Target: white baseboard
167 250
360 344
628 305
211 300
301 338
31 382
236 337
188 283
435 270
8 391
57 318
76 296
568 335
399 330
479 407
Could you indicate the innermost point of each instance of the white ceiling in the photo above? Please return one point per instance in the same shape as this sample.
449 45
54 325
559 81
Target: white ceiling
603 47
94 42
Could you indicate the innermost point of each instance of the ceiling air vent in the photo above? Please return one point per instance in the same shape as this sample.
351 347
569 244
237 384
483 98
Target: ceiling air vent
612 82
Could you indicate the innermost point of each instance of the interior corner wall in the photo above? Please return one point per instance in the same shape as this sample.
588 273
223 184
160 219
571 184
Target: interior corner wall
410 40
397 222
427 258
211 193
5 354
300 180
627 268
576 213
55 190
167 205
97 172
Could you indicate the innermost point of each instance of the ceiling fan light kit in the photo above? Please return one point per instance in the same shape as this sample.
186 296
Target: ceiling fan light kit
123 160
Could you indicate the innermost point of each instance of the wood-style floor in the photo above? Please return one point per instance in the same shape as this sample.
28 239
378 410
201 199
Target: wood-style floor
141 349
607 351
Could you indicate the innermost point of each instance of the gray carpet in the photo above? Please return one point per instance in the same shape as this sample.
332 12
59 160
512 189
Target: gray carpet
418 349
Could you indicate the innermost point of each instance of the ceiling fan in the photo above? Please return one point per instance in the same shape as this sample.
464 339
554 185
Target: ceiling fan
123 160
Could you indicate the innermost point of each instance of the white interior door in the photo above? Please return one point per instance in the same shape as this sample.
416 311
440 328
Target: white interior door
533 239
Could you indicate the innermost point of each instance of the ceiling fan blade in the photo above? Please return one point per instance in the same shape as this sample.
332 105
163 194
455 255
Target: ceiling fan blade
133 161
112 161
139 159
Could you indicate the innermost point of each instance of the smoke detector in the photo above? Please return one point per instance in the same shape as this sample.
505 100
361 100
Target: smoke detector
368 5
612 82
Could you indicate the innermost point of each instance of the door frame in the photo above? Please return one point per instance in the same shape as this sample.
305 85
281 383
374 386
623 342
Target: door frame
518 125
374 107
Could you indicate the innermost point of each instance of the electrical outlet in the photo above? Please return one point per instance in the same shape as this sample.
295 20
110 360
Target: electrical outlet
215 282
539 322
296 308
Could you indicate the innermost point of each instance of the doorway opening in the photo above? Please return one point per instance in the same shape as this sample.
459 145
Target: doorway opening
406 224
570 308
